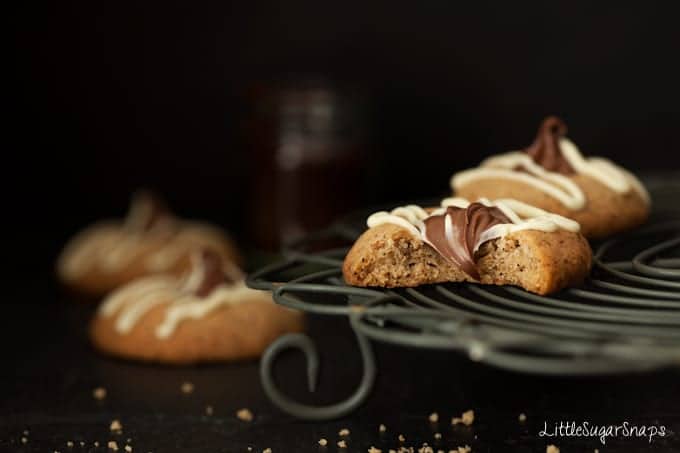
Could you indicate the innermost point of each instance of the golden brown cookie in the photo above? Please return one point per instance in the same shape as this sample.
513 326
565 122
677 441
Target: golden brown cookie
149 241
528 252
553 175
208 315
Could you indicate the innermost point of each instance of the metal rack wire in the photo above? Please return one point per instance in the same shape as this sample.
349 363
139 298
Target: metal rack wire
626 317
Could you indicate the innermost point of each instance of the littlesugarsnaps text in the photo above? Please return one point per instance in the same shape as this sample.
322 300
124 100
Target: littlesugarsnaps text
603 432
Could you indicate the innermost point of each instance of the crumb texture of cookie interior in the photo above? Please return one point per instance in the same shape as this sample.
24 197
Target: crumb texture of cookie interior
207 315
149 241
553 174
541 253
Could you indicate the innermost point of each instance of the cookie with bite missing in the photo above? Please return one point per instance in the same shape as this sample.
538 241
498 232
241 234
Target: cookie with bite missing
505 242
553 175
206 315
149 241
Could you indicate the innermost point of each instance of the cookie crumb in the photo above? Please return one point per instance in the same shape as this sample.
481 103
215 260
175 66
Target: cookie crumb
99 393
26 432
433 417
24 440
112 445
382 428
244 414
437 436
596 451
128 448
116 425
69 444
82 444
425 449
267 450
343 432
208 410
343 444
374 450
522 417
465 449
467 418
187 387
96 444
401 438
323 442
552 449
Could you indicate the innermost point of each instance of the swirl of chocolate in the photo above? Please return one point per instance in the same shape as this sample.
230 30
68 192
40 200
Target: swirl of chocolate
212 274
147 211
545 150
455 233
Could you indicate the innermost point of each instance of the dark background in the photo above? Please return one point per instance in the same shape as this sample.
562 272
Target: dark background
108 97
105 97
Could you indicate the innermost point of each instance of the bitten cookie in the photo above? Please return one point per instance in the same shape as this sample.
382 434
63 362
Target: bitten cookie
504 242
150 240
207 315
553 175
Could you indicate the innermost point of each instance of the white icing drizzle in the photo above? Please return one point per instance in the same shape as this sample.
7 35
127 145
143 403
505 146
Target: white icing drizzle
111 247
131 302
556 185
522 216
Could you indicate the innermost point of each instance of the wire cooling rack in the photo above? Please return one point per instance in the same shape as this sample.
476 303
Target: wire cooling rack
625 317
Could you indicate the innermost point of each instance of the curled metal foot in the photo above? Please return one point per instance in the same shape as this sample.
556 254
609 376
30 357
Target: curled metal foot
305 345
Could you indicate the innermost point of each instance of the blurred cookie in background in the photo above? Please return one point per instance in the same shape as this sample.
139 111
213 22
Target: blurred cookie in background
150 240
206 315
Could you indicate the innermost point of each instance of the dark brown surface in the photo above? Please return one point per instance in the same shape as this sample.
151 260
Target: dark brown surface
49 373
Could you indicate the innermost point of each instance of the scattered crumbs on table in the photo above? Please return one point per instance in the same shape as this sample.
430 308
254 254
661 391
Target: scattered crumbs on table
552 449
96 444
425 449
24 440
244 414
374 450
26 433
522 417
99 393
467 418
128 448
69 444
342 444
433 417
465 449
343 432
208 410
437 436
187 387
116 426
323 442
267 450
401 438
112 445
382 428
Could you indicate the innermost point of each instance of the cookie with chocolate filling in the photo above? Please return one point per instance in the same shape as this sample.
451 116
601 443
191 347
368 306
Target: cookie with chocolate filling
505 242
206 315
150 240
553 175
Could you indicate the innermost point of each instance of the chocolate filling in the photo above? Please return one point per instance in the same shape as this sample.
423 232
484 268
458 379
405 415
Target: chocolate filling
212 273
147 210
545 150
465 228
